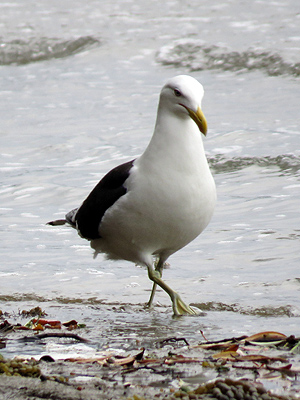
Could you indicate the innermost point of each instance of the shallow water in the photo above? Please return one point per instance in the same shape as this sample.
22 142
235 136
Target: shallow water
79 86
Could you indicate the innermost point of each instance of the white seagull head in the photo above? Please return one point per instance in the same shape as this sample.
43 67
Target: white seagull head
183 95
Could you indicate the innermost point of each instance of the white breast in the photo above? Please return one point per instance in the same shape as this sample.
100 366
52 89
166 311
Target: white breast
170 200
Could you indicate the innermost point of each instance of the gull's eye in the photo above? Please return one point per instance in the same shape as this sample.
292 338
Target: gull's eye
177 92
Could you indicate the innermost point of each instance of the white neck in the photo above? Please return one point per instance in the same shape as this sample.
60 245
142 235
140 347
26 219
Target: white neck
176 143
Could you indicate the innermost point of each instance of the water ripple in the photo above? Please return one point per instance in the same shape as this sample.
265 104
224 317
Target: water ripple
287 163
21 52
196 55
264 311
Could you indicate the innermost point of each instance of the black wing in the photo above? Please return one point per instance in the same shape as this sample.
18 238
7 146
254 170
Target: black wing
89 215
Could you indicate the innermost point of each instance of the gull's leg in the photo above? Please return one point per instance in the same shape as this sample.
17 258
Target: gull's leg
150 302
159 268
179 307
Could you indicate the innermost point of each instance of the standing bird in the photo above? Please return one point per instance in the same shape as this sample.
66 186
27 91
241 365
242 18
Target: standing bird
148 208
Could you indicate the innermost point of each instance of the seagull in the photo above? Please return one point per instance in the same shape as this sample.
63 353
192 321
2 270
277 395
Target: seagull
146 209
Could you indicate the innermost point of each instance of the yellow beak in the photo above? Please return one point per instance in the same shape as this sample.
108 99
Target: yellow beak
199 118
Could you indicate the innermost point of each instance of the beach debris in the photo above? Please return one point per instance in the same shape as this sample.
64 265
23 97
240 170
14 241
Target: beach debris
172 340
254 358
40 324
60 335
226 389
35 311
20 367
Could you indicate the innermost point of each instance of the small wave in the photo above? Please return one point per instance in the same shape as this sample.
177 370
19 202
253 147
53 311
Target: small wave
195 55
22 52
20 297
264 311
287 163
